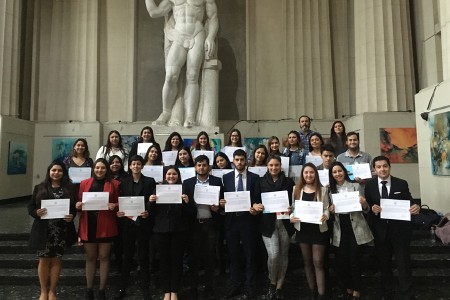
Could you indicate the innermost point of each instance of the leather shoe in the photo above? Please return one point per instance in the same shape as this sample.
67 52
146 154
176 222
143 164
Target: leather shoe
233 293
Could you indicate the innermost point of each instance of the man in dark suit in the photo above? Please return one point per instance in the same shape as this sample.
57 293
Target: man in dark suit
202 239
241 227
392 237
138 229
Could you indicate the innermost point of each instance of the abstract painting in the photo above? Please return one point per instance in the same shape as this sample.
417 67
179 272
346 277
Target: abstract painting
440 143
399 144
62 147
17 158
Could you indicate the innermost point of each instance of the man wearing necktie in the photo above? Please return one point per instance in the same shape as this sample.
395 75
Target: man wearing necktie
392 237
241 227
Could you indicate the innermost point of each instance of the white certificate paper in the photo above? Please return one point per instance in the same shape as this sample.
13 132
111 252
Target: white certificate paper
169 157
187 173
228 150
275 201
295 171
142 149
156 172
323 177
316 160
132 206
209 154
56 208
261 171
395 209
346 202
309 211
237 201
362 171
168 193
95 200
220 172
207 194
285 165
79 174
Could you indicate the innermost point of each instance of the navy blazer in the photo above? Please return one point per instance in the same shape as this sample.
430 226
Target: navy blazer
189 188
399 190
252 185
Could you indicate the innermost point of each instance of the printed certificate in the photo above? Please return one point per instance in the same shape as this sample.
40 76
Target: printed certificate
237 201
95 200
395 209
169 157
323 177
156 172
56 208
79 174
285 165
169 193
309 211
316 160
132 206
187 173
142 149
207 194
209 154
346 202
220 172
261 171
362 171
275 201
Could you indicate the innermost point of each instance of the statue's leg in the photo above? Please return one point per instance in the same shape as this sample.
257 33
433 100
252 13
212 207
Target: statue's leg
174 61
193 65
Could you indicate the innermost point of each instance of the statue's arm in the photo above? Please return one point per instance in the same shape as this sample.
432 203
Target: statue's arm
157 11
213 26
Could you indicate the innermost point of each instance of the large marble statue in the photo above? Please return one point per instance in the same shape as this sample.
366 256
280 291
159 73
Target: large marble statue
190 31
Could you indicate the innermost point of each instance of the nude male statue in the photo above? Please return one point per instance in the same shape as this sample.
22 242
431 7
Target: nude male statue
190 44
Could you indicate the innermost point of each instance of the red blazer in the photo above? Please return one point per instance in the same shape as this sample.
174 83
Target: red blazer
106 220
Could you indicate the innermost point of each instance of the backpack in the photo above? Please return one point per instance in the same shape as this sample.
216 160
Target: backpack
426 218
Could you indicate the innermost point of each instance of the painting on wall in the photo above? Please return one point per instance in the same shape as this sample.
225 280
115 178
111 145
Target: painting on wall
440 143
17 158
128 140
252 142
61 147
399 144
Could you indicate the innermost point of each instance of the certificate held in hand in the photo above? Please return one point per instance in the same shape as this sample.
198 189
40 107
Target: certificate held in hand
207 194
95 200
168 193
131 206
237 201
275 201
308 211
56 208
395 209
79 174
346 202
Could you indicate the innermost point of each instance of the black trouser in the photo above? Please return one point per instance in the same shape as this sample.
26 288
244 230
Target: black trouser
171 248
202 246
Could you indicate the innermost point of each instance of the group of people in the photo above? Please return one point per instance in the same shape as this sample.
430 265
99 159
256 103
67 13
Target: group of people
187 228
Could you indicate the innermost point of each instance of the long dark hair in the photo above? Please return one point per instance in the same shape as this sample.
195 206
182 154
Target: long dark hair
299 141
178 162
333 183
109 173
271 139
208 145
239 144
168 145
120 145
65 179
253 162
320 138
302 182
224 156
158 160
86 153
166 169
334 136
152 139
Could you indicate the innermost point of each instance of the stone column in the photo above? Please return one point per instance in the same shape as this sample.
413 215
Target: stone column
9 57
383 56
445 34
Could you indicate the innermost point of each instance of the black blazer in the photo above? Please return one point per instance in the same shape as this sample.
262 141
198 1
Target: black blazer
252 185
189 188
148 188
399 190
267 223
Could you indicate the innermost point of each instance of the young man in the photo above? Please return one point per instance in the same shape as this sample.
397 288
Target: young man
327 154
241 227
305 131
392 237
202 240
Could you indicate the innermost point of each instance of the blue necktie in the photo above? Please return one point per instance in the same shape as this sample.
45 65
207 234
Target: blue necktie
240 186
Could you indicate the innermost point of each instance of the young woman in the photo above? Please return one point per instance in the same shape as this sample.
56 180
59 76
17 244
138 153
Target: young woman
184 158
50 236
113 147
98 228
221 161
146 136
315 144
350 230
203 142
174 142
260 155
338 137
117 168
276 233
170 230
80 156
153 157
294 149
274 145
137 230
313 238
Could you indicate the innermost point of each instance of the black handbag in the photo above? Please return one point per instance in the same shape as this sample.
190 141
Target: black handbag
426 218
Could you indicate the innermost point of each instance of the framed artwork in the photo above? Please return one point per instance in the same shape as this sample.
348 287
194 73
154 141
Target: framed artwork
17 158
399 144
128 140
62 147
440 143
